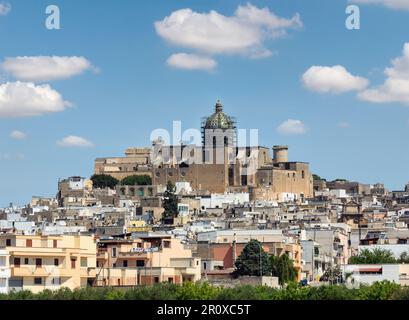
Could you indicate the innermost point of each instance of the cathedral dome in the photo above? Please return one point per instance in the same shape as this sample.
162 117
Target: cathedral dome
219 120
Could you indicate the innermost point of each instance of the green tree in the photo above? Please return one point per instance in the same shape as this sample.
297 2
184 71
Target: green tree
170 201
137 180
375 256
333 274
403 258
316 177
102 181
253 261
283 268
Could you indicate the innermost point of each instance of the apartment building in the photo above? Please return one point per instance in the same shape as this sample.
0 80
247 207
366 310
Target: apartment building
219 249
49 262
148 259
4 271
358 274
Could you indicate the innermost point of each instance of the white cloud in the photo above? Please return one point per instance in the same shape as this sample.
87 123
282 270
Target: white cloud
75 141
8 156
213 33
21 99
45 68
292 127
396 85
191 62
18 135
394 4
343 125
335 79
5 8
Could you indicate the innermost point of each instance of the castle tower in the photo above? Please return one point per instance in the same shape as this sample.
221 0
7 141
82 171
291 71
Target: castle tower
219 129
280 154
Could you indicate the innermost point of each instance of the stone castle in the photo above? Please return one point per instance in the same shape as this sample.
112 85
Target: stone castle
219 165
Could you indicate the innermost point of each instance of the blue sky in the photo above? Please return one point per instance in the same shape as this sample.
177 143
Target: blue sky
130 89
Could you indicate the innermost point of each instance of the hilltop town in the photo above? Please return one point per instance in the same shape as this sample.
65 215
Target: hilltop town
159 214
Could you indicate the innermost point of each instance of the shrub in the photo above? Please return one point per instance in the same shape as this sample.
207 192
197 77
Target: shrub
200 291
204 291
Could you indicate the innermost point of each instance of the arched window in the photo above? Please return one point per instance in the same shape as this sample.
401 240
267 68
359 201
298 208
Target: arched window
214 142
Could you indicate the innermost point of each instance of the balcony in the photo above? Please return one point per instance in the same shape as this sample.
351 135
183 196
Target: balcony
40 272
37 252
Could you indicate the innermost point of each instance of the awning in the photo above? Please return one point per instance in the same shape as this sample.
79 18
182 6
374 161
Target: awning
370 269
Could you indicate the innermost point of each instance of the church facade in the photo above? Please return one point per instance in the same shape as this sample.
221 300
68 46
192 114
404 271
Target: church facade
219 165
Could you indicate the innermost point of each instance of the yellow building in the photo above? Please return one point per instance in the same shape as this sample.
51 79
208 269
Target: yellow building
144 261
50 262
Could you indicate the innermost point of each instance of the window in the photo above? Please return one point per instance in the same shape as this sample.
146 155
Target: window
29 243
72 263
8 242
156 280
140 263
39 263
170 280
56 262
38 281
25 260
125 263
56 281
84 262
166 244
17 262
113 252
54 243
204 265
303 174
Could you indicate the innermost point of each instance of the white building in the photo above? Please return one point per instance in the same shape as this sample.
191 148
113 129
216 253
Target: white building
217 200
4 271
241 236
357 274
335 193
77 183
